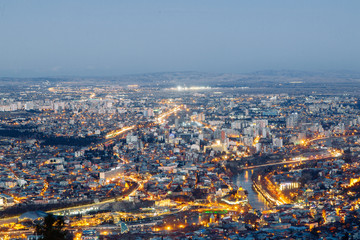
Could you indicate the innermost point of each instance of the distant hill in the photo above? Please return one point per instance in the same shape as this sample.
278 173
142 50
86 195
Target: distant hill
173 79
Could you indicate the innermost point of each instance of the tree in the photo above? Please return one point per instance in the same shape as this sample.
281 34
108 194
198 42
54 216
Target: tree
52 228
250 218
347 155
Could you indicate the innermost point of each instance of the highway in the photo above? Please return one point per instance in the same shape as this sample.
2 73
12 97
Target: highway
98 204
258 188
302 159
160 119
119 132
285 163
212 128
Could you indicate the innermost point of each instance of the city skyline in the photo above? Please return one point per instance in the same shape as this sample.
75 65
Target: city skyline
277 158
179 120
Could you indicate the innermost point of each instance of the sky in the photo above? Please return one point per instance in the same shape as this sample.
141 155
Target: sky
115 37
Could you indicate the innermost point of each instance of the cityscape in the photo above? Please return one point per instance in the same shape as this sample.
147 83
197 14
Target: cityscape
179 120
202 162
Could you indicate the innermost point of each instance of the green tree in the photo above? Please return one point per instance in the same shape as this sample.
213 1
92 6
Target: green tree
52 228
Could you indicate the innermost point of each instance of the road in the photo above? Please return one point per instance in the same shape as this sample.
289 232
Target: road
300 160
285 163
160 119
80 207
94 205
212 128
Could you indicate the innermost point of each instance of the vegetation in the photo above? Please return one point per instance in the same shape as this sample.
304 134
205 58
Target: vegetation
52 228
49 139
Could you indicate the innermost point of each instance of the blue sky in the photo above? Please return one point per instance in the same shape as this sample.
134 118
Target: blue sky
86 37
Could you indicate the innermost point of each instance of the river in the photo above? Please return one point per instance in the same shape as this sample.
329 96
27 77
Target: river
243 179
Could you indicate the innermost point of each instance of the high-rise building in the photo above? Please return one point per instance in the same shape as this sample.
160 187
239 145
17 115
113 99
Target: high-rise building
292 120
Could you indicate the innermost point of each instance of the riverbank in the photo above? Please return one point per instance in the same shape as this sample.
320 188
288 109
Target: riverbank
256 200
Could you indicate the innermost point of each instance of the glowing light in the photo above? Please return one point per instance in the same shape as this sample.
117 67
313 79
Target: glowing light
256 140
194 88
118 132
